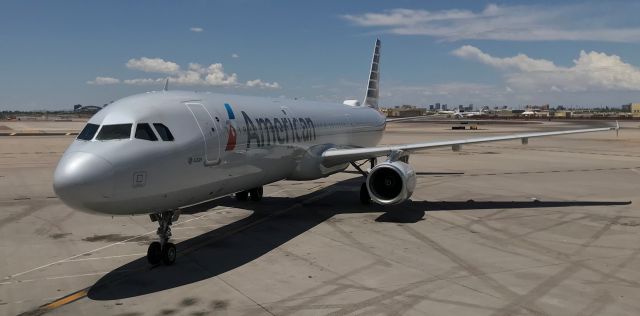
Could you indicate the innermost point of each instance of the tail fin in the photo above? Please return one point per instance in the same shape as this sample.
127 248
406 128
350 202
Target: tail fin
373 88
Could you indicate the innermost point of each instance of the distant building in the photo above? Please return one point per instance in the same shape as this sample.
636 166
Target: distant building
405 111
635 109
626 108
508 113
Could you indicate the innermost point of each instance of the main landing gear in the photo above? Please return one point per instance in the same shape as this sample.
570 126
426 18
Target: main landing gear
254 194
163 251
365 198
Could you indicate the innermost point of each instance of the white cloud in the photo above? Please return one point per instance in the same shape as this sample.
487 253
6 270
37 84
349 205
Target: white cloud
153 65
515 23
520 62
143 81
195 74
262 84
104 81
234 55
215 75
196 29
592 71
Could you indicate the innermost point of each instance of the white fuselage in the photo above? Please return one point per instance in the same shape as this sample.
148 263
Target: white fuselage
275 139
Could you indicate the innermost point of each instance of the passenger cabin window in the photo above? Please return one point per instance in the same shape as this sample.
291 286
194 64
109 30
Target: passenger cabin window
116 131
163 131
144 131
88 132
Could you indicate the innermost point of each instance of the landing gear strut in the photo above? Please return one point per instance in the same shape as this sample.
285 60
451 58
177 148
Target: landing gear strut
365 198
254 194
163 251
242 195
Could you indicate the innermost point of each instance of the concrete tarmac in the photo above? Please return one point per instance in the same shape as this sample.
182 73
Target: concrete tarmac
550 228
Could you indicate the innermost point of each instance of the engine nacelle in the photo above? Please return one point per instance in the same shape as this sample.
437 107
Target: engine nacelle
391 182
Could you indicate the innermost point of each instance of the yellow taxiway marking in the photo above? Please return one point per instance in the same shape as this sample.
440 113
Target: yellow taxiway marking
66 300
84 292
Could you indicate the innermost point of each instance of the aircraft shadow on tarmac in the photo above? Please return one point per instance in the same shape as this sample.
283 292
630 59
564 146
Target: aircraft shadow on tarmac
231 246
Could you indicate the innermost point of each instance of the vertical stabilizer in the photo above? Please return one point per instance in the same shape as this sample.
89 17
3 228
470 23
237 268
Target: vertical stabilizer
373 88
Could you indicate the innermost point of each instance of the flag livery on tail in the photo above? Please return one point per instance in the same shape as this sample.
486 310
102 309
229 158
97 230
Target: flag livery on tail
373 89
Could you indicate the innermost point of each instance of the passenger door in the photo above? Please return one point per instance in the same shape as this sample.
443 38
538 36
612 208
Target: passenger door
210 132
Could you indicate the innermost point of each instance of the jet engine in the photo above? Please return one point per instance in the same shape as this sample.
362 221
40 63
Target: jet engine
391 182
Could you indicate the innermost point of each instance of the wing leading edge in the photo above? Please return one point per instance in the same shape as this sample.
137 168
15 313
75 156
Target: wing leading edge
334 157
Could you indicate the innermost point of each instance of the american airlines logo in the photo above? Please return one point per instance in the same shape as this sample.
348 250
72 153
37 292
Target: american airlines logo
282 130
231 140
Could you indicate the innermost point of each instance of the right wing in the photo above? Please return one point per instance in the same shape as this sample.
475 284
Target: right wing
335 156
431 119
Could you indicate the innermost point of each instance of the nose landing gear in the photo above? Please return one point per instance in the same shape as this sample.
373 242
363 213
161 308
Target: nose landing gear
163 251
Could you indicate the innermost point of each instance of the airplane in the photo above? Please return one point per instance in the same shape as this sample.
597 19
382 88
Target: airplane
465 114
457 113
157 152
446 112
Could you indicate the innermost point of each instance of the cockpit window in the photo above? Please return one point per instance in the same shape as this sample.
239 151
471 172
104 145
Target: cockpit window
163 131
144 131
88 132
116 131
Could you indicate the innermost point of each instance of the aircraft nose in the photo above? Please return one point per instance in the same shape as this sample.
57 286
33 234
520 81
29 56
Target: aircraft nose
83 179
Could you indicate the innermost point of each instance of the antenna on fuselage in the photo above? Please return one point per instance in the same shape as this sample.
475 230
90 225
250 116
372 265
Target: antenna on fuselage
166 85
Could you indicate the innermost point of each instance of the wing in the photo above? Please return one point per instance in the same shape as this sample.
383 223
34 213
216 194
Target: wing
336 156
398 119
431 119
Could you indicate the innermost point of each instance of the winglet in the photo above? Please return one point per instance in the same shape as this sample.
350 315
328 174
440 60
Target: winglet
373 88
166 85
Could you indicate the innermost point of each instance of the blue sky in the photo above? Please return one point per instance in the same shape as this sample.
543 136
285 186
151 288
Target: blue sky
56 54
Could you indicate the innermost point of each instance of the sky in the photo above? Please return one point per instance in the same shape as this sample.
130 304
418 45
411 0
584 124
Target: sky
55 54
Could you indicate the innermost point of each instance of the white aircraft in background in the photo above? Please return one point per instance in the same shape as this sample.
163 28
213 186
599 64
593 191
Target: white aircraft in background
157 152
465 114
446 112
